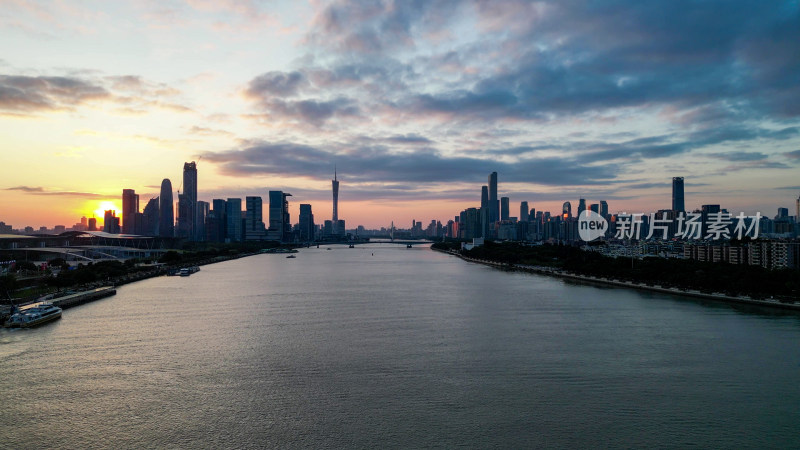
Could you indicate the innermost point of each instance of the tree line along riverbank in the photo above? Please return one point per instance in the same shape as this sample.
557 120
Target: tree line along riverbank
731 280
26 283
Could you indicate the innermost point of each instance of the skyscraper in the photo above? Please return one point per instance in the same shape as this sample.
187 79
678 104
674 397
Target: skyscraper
335 186
306 223
484 212
504 208
111 222
566 210
130 206
202 210
677 194
797 210
151 218
216 221
494 204
280 226
254 229
581 206
184 209
604 208
190 191
233 220
166 218
523 212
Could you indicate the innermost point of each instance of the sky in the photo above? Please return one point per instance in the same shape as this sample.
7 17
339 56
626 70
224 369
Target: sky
413 102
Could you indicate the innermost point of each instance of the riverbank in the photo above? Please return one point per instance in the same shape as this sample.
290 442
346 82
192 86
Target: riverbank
553 272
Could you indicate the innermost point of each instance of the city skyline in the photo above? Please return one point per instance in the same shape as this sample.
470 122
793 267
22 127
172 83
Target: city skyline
414 103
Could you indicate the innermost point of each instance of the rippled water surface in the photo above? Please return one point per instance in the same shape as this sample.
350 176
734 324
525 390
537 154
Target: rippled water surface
383 346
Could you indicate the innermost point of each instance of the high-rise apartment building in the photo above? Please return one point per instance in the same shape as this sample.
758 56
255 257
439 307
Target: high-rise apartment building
166 217
678 203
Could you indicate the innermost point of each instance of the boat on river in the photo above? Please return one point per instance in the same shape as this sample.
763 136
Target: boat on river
186 271
36 315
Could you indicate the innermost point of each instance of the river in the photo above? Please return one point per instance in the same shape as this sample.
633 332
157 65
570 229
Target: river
384 346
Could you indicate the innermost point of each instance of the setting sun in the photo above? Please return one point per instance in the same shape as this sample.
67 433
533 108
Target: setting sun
106 205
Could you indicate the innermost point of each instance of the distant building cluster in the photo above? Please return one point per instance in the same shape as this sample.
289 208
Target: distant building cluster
709 233
222 220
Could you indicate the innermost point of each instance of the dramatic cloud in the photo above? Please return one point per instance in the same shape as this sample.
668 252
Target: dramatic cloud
33 94
277 84
378 164
28 95
41 191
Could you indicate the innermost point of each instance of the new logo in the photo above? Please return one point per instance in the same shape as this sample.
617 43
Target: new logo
591 225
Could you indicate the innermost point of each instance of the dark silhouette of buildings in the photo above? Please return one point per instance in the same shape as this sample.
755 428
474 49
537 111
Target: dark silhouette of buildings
111 222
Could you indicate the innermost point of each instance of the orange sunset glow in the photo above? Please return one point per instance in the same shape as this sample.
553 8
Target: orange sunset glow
104 206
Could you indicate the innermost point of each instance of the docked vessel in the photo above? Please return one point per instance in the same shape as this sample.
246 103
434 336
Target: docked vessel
186 271
37 315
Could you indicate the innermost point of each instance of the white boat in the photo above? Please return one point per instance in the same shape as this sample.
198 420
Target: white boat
37 315
186 271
